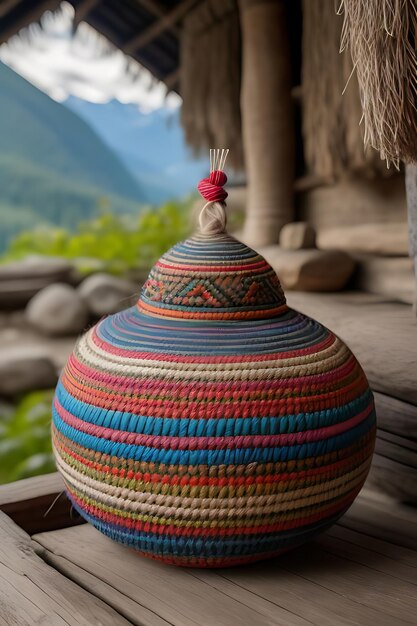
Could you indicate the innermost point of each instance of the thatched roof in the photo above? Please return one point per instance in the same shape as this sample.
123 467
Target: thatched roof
146 30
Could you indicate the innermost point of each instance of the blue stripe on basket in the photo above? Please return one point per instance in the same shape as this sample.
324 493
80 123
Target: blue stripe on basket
220 427
214 457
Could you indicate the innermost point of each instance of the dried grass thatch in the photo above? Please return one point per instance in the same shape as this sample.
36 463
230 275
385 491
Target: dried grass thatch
332 112
210 78
381 36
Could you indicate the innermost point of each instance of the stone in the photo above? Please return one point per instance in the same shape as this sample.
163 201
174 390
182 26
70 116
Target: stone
297 236
105 294
21 280
381 239
310 270
392 277
20 373
58 310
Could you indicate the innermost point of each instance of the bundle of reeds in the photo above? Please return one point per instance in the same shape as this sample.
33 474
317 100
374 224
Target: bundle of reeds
331 105
210 78
381 36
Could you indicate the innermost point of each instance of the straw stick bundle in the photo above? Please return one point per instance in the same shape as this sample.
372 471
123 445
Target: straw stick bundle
333 135
381 36
211 77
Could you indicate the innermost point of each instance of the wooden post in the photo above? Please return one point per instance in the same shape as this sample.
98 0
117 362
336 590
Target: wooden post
267 120
411 191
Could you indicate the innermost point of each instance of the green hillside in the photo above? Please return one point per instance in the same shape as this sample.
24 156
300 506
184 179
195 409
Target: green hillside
53 167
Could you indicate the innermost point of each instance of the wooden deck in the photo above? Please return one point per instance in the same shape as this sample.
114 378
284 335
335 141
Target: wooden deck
362 571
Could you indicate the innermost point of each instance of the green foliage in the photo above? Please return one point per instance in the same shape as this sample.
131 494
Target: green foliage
110 242
25 440
14 221
32 196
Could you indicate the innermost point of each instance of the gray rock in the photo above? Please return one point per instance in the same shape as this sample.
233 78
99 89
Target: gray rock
20 373
297 236
21 280
58 310
105 294
310 270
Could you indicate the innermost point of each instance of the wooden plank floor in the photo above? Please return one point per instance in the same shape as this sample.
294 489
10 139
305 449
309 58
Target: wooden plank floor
340 579
31 592
362 572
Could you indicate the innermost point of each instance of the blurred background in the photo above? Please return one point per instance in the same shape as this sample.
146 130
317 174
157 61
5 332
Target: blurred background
107 111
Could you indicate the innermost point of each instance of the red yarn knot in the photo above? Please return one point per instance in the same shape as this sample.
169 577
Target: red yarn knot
211 188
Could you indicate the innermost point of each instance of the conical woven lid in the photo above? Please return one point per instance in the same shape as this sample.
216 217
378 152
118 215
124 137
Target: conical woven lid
212 277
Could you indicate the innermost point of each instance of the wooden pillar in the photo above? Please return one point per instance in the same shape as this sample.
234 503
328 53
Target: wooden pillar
267 120
411 190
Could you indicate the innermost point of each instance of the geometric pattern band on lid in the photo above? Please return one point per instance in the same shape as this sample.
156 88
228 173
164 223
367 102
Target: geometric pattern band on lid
214 277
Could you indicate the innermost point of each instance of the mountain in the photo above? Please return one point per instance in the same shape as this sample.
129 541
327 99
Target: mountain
151 145
54 168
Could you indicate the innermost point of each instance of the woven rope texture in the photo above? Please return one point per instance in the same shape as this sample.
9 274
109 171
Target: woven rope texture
211 425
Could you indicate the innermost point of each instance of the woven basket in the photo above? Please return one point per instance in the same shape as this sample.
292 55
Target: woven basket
210 424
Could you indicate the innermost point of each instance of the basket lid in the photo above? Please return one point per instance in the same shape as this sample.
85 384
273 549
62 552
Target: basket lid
212 276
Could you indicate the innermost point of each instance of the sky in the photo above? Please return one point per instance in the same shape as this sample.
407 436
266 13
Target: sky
84 65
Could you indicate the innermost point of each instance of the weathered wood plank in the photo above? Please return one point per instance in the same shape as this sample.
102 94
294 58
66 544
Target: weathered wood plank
397 480
377 515
31 592
301 586
35 504
372 560
131 609
175 594
390 277
396 416
332 581
291 592
371 238
393 598
394 552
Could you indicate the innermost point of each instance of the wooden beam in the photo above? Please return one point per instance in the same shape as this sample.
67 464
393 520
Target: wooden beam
153 7
6 6
172 79
83 9
158 10
33 592
164 23
35 504
26 18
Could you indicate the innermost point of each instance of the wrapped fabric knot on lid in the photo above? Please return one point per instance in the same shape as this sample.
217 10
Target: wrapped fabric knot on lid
211 425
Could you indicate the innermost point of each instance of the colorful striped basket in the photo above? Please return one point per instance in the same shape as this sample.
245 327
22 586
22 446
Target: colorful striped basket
210 424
